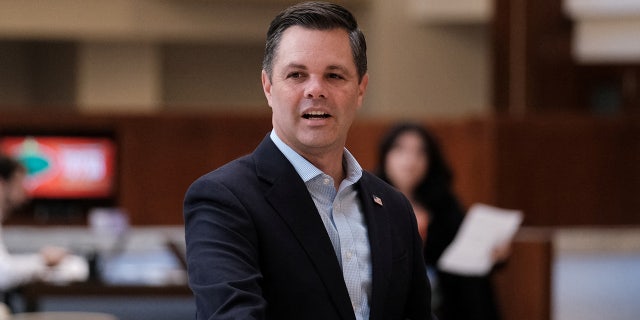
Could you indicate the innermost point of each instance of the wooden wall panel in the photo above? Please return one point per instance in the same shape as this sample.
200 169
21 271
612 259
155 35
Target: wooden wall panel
558 170
569 171
523 283
161 156
532 63
535 70
468 146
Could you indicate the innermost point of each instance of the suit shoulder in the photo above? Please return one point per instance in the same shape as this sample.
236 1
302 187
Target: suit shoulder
372 178
378 185
238 169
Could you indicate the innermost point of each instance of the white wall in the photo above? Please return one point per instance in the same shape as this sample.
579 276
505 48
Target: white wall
421 69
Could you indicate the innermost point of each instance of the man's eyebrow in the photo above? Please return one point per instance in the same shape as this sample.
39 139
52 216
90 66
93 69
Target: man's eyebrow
340 68
333 68
295 66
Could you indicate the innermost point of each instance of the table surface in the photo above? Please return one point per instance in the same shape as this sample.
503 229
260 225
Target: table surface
32 293
62 316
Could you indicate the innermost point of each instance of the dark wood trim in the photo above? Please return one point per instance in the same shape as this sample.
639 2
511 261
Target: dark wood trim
535 71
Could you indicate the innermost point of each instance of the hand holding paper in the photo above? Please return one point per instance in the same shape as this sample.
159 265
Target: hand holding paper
484 229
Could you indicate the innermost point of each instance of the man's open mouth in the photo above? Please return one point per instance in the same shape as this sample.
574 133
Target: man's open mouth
316 115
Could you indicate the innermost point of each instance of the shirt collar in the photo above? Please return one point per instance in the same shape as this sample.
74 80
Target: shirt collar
307 170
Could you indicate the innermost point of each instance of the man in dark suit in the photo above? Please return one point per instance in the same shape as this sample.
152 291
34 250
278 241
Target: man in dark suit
297 230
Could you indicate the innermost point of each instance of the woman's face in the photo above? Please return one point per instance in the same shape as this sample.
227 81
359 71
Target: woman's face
406 162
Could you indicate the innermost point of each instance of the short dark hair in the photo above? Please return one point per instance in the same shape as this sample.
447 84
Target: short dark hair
316 15
8 167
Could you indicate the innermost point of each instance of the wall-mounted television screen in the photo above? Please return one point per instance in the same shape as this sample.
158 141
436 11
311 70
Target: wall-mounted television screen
65 167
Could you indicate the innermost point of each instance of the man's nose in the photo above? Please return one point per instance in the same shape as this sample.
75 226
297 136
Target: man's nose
316 88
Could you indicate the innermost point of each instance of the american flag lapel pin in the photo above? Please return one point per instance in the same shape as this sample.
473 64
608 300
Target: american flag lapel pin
377 200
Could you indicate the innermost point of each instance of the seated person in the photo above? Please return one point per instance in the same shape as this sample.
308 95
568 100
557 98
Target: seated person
20 269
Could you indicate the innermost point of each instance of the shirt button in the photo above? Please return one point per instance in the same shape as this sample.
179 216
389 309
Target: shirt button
349 255
326 181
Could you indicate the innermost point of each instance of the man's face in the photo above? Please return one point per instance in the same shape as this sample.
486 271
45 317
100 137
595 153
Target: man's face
314 90
13 193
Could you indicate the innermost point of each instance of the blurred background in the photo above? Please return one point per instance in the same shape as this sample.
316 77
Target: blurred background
536 103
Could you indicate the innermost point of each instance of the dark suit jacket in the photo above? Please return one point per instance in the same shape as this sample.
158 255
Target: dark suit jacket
257 247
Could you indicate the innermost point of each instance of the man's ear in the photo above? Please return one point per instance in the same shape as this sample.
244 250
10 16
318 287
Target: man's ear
266 86
362 88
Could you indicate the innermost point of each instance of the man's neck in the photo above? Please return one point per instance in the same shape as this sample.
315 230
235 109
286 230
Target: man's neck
331 164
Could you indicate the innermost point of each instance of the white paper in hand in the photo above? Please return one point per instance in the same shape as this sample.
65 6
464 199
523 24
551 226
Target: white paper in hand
483 229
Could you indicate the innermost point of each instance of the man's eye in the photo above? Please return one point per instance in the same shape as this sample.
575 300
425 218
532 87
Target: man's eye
294 75
335 76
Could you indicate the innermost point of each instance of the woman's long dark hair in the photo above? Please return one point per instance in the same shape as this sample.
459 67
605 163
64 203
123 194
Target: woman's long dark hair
434 191
438 179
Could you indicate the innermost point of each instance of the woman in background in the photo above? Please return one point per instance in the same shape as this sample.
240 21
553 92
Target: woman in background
410 159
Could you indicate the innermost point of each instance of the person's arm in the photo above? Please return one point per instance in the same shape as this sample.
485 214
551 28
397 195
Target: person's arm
222 254
53 255
17 270
419 304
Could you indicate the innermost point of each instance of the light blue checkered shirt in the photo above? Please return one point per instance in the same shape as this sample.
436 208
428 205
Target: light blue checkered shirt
343 218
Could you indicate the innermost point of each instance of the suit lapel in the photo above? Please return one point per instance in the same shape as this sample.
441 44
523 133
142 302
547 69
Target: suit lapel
291 200
378 223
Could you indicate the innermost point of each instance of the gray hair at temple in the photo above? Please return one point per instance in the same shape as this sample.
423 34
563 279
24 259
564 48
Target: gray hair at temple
316 15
